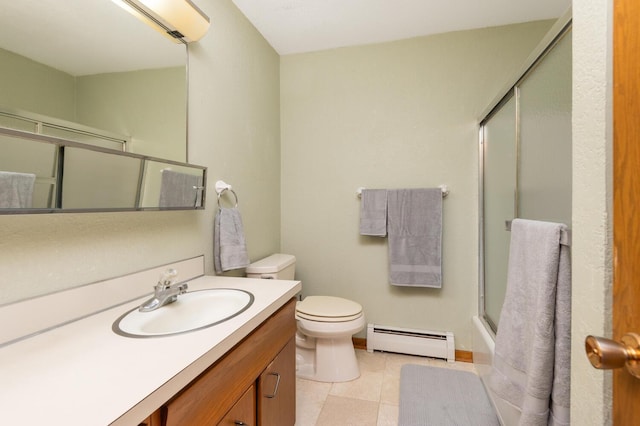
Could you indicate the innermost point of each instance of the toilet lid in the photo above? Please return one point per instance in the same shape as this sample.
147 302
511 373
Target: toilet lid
328 309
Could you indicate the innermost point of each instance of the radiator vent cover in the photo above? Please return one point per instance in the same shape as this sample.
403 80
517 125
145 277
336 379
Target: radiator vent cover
411 342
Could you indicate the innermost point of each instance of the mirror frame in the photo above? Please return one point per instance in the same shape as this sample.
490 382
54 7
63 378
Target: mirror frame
61 143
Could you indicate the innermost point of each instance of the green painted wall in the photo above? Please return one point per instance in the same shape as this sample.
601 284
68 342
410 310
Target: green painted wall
148 105
36 87
393 115
234 129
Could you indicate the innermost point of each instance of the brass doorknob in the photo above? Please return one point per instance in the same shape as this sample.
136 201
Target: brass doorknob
607 354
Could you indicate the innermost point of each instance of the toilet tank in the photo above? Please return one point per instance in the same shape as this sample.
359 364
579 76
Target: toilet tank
276 266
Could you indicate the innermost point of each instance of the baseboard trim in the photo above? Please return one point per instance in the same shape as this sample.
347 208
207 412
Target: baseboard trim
360 343
461 356
464 356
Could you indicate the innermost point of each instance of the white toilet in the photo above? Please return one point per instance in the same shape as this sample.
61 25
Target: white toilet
324 349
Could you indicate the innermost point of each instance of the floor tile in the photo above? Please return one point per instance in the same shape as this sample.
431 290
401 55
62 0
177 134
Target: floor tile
371 361
395 362
310 397
367 387
372 399
390 393
338 411
388 415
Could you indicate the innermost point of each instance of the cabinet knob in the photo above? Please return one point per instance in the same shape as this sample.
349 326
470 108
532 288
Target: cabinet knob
240 423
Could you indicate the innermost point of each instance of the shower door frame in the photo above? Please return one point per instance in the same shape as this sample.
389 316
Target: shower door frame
511 90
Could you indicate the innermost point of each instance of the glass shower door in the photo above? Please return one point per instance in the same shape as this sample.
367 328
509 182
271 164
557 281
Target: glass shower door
499 189
526 164
544 172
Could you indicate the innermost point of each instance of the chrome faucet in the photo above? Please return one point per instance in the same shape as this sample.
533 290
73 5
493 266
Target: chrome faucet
165 291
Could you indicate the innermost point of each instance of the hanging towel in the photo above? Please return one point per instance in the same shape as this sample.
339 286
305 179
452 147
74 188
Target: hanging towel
415 237
179 189
531 366
229 247
16 190
373 212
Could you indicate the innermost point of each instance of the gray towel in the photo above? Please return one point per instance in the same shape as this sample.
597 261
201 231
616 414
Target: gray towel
415 237
373 212
179 189
16 190
531 365
229 247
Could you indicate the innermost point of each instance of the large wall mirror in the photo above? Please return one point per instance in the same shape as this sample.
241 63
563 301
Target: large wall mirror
92 111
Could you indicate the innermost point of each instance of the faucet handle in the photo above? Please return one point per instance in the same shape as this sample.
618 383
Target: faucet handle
168 277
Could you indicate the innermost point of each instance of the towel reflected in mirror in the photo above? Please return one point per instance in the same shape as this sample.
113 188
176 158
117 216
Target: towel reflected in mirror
16 190
179 189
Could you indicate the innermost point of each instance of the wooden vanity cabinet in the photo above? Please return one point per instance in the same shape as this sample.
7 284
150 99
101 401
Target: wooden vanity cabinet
276 389
243 412
243 382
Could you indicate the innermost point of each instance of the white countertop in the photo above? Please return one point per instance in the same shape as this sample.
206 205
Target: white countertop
84 374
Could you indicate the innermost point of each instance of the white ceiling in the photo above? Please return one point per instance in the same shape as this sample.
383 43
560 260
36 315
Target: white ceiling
84 37
295 26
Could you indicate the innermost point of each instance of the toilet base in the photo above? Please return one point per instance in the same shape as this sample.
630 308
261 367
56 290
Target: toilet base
329 360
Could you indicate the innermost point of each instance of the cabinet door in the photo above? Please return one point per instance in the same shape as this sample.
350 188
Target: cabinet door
206 400
277 389
243 412
154 419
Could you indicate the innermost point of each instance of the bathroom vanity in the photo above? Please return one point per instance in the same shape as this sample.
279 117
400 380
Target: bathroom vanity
77 371
254 383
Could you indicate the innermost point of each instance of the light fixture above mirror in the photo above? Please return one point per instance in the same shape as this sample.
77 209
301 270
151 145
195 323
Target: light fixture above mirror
180 20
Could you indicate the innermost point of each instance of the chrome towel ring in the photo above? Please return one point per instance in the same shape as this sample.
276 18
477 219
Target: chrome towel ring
221 187
223 191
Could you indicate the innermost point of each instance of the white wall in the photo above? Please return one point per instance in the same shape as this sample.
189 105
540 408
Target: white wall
592 210
233 130
392 115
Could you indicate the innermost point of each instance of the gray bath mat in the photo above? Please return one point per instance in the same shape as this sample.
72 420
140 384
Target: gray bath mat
431 396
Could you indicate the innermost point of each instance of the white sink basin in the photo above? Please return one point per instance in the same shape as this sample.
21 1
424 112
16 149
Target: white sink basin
192 311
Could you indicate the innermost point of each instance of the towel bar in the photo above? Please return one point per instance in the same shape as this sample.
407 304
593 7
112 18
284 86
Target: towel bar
444 188
565 236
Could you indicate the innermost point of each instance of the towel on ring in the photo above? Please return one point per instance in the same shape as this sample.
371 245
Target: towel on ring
415 237
16 190
229 247
373 212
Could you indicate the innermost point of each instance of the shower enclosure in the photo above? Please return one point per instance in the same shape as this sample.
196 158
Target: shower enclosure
525 162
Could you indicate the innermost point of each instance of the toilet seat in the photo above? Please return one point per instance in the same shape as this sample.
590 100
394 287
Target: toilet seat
328 309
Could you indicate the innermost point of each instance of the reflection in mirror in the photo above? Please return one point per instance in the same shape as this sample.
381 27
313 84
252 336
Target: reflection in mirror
99 180
40 174
171 186
75 94
63 60
27 157
40 124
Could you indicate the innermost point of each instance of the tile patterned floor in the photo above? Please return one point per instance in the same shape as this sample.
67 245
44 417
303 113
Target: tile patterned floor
370 400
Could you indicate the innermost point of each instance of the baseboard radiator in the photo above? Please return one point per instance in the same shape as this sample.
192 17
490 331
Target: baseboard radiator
411 342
